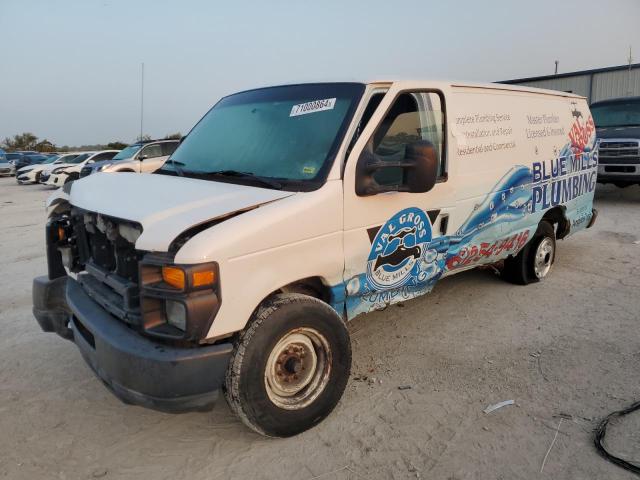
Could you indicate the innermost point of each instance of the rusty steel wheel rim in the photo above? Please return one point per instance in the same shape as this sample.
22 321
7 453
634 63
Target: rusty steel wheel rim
298 368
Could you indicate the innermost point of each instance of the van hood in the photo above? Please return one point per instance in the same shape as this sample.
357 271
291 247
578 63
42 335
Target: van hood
165 206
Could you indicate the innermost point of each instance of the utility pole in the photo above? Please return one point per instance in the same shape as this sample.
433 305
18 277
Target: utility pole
556 72
142 103
630 88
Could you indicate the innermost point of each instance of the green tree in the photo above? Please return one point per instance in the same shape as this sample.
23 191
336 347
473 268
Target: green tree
115 145
23 141
173 136
45 146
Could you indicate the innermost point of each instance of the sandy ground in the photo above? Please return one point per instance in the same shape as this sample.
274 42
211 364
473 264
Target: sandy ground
566 349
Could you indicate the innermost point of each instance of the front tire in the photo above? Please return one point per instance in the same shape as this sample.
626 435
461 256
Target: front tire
533 263
290 366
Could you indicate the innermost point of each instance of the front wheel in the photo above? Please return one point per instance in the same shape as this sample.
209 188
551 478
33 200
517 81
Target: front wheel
533 263
290 365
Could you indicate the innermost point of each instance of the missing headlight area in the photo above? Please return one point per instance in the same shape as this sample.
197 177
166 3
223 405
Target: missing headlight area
101 250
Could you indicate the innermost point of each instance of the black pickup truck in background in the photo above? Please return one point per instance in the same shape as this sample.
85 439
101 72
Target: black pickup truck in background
618 129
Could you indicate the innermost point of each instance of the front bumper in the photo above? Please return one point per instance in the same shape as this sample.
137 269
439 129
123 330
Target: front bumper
135 368
28 177
619 173
55 180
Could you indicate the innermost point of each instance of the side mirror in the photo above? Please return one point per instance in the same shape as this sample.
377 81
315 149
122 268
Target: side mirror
143 157
419 170
89 162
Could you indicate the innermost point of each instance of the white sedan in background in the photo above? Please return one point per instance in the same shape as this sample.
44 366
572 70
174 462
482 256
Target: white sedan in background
6 168
32 173
70 171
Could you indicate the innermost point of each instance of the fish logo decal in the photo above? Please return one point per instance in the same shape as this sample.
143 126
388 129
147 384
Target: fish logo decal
397 249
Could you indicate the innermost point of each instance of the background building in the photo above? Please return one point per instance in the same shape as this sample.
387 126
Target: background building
596 84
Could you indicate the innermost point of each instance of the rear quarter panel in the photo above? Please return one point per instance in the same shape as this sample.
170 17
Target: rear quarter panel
514 156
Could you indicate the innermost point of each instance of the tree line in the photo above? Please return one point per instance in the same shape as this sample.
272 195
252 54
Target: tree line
29 141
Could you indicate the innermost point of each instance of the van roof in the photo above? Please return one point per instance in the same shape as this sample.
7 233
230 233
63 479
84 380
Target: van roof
416 83
480 85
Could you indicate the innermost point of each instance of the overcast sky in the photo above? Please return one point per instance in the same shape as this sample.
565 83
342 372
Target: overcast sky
71 68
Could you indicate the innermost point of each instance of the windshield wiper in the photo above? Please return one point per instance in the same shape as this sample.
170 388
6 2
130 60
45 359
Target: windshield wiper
248 175
177 166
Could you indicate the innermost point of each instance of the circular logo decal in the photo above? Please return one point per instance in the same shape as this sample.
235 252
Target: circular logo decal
399 246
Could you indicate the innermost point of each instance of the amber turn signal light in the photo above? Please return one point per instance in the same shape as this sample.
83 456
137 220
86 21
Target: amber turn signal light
201 279
174 277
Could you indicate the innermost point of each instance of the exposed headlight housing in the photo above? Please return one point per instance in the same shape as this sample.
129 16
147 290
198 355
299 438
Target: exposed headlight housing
178 302
176 314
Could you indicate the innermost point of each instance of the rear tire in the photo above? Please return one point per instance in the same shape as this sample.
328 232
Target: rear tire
533 263
290 366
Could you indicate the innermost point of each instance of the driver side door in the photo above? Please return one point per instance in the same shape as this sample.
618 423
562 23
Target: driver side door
151 158
393 249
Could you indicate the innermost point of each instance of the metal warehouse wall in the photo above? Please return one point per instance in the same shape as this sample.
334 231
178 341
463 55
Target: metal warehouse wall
599 84
615 84
579 84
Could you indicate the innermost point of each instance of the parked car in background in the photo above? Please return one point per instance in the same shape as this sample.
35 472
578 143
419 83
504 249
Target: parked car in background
67 172
12 157
6 168
26 159
140 157
32 173
618 129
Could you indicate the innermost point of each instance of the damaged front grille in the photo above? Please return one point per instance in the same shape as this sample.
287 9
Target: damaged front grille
107 262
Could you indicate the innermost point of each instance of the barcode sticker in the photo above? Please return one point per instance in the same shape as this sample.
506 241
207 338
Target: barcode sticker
312 107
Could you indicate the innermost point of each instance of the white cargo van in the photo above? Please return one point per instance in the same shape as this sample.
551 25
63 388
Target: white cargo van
289 210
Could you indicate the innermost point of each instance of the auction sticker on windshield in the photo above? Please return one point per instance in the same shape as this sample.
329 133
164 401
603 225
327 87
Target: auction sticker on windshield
311 107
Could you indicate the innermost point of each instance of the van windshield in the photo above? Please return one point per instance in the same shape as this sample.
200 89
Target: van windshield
283 137
618 114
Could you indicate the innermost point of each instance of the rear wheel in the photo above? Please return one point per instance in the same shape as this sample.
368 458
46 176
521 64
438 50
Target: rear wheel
290 365
533 263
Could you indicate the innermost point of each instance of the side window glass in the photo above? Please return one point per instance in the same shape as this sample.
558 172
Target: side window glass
371 107
152 151
104 156
169 147
414 117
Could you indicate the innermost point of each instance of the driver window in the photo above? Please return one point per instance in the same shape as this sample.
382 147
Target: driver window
413 117
152 151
